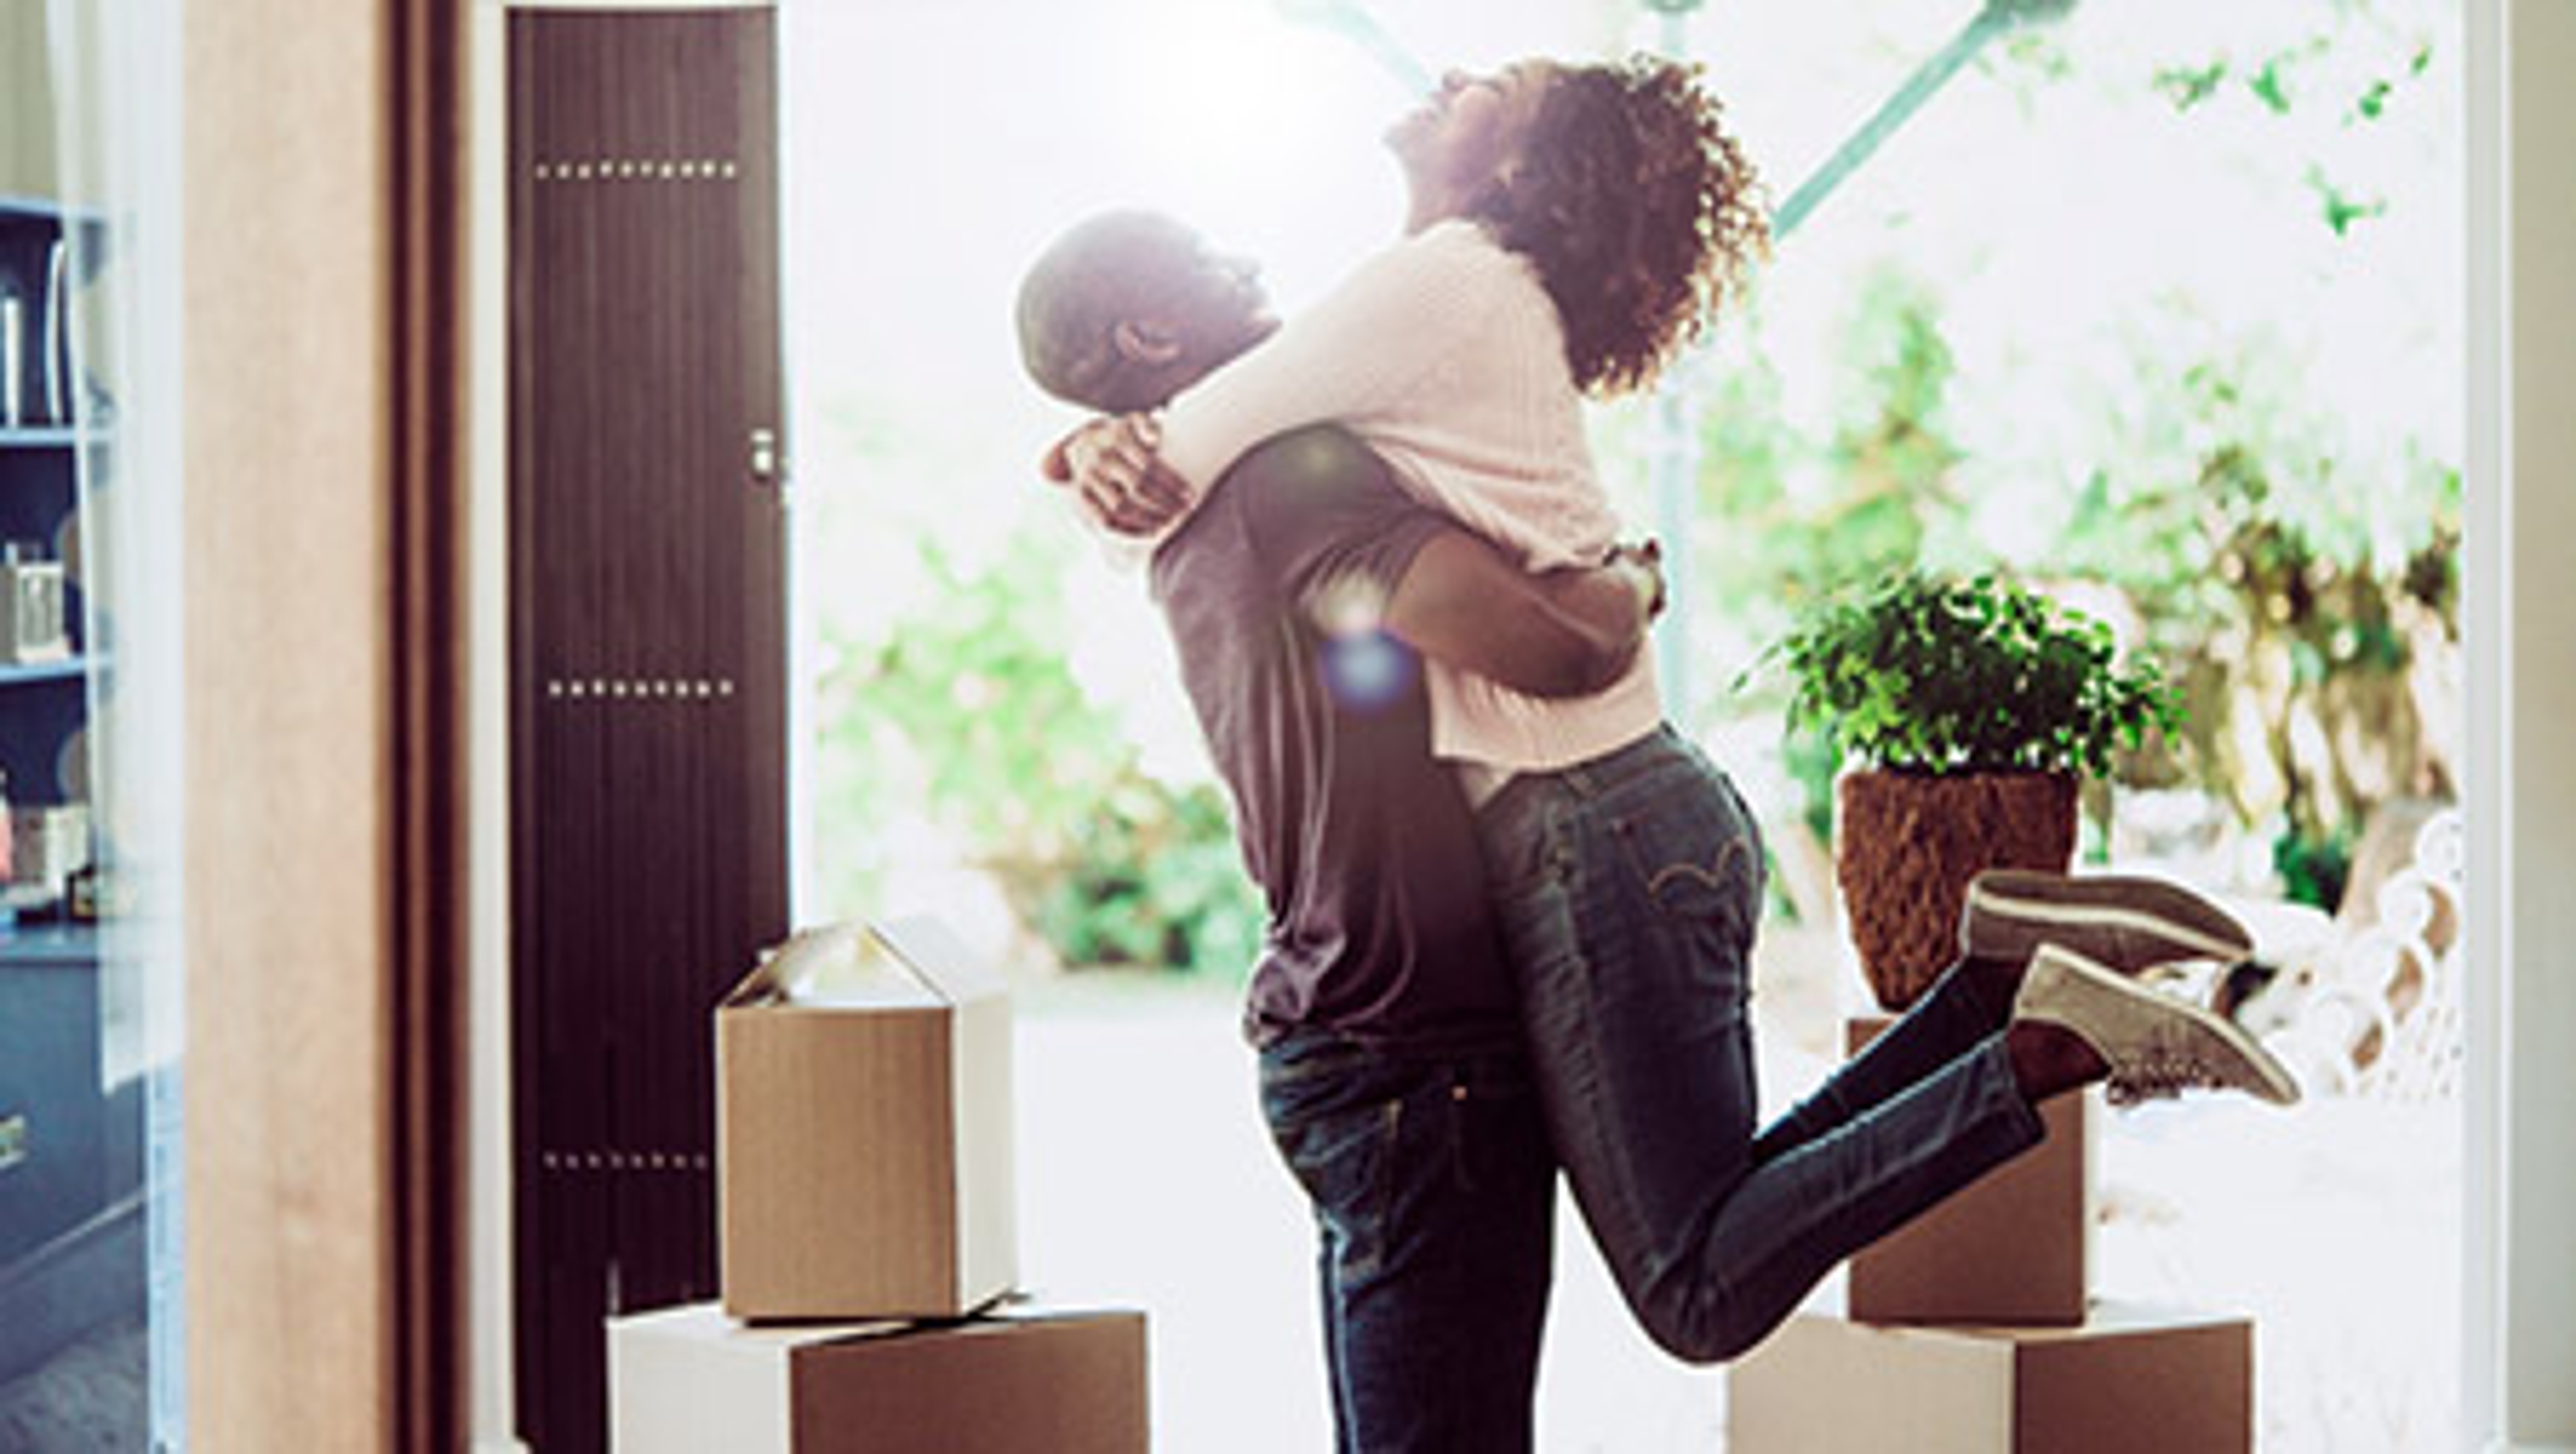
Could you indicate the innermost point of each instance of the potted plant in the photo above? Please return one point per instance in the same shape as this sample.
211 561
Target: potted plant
1971 707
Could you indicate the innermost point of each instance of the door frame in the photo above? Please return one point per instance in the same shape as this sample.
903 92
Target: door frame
2519 1192
322 367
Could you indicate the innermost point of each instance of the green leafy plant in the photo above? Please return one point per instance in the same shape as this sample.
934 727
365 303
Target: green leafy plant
2313 870
1923 673
1154 880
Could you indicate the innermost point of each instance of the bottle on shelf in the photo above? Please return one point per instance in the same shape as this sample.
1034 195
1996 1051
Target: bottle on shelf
32 625
13 358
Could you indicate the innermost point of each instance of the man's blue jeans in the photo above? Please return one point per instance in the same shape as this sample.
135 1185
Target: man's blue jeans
1629 888
1434 1192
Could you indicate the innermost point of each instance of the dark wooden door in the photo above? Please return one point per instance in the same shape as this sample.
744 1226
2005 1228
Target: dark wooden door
648 652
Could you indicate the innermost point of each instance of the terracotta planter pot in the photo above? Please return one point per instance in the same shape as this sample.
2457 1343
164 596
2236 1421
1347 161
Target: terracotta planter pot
1906 845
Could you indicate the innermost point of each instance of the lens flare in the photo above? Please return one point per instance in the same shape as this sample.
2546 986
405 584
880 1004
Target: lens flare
1367 671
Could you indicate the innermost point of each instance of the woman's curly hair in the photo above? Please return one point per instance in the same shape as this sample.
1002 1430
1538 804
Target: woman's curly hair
1639 211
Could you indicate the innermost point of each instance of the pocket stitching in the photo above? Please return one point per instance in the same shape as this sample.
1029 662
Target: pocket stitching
1737 865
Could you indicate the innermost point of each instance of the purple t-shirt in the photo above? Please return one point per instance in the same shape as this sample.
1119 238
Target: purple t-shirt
1362 844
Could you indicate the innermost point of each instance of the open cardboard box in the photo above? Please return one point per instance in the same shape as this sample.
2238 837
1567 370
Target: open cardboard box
690 1380
863 1128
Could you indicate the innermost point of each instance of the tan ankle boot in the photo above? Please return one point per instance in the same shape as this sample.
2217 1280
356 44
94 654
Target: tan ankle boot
2125 923
2154 1044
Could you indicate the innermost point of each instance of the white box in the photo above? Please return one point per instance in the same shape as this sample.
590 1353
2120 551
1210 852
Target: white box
2130 1380
1030 1381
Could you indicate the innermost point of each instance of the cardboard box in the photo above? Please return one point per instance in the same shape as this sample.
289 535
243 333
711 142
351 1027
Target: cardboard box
863 1129
2131 1380
690 1380
2014 1247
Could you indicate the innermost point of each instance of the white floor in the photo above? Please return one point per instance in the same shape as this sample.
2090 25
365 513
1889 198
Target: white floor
1148 1181
2336 1224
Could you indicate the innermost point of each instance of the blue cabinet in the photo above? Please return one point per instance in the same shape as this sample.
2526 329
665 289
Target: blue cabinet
53 1141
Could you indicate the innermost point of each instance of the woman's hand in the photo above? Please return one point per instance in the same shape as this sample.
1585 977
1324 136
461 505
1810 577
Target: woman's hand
1115 477
1644 563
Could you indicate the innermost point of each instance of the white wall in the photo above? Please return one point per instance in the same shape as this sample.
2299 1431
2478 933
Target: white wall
2520 1392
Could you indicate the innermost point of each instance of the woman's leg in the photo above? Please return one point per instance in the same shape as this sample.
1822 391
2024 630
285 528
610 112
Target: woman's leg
1970 1001
1630 888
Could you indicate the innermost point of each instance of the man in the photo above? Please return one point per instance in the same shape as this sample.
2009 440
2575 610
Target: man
1307 589
1393 1074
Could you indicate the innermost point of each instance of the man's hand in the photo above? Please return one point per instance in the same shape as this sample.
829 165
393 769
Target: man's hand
1115 477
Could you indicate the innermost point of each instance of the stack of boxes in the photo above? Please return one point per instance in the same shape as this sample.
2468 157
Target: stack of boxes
1973 1329
867 1234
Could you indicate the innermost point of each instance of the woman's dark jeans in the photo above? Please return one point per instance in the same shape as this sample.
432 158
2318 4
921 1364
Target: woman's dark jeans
1629 888
1434 1192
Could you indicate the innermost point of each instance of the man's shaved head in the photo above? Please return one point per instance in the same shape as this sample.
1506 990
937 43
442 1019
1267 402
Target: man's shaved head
1128 307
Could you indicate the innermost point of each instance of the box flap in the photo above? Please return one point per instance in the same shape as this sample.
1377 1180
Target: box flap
943 959
1003 1314
909 963
707 1323
758 987
2110 1318
837 967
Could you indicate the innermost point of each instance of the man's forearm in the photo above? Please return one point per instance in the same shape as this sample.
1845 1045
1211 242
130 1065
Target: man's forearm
1610 607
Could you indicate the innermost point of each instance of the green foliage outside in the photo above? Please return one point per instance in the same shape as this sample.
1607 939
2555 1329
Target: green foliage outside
2296 601
2292 566
970 708
2291 570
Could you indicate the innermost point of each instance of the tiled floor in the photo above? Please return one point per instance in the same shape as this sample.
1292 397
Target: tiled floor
88 1399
